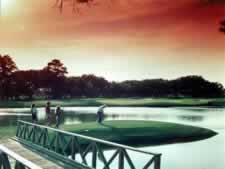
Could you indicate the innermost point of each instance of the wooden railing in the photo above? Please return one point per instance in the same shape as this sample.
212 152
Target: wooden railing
76 147
20 162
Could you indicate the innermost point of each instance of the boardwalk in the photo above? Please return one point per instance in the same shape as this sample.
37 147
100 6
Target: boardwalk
45 162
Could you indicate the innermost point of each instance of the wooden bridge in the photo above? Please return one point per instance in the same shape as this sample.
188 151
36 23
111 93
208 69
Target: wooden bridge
41 147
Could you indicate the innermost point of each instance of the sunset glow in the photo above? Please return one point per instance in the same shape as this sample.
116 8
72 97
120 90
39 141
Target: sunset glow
120 40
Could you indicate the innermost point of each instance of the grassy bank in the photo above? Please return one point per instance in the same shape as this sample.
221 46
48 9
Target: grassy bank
141 132
135 102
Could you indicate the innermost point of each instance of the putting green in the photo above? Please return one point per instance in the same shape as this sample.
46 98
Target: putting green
141 132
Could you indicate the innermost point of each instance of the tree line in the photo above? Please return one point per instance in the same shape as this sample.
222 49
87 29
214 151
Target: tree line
51 82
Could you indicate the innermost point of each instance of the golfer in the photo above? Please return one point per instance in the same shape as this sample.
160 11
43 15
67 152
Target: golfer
100 113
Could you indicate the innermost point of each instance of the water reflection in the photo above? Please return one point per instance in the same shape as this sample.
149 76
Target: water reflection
206 117
194 109
12 120
69 117
203 154
191 118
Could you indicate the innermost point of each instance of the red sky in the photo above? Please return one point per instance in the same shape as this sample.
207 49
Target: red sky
119 39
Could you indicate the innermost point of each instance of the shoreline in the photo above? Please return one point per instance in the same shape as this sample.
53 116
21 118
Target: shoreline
121 102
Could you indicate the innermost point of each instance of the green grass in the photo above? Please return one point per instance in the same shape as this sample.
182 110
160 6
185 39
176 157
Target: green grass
141 132
135 102
130 132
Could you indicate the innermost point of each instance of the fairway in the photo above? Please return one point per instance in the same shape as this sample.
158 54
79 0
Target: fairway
120 102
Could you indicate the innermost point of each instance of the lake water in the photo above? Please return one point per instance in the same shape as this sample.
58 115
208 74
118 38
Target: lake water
205 154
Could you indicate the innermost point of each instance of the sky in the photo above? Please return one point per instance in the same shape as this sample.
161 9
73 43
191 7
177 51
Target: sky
118 39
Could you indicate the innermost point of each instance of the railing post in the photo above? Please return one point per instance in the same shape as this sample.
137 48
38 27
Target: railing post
4 161
19 165
17 128
94 156
157 162
121 160
73 147
57 142
21 130
45 136
25 131
33 137
37 135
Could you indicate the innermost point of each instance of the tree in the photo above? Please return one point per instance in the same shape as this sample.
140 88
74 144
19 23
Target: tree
7 67
25 83
93 86
56 67
55 72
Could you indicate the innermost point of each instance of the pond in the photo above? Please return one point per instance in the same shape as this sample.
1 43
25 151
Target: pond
203 154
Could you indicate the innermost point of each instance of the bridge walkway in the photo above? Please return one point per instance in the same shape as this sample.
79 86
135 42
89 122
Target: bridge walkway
40 159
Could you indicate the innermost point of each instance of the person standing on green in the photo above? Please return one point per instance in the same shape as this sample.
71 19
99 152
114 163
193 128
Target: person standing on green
58 116
100 113
48 113
33 113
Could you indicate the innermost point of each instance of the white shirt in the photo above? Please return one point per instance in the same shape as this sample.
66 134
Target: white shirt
34 110
101 108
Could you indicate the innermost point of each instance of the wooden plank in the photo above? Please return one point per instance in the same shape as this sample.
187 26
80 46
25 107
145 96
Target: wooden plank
57 158
19 158
34 160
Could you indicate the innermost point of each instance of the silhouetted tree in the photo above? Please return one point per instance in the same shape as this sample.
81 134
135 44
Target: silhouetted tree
7 67
27 83
93 86
196 86
55 73
73 87
56 67
51 82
